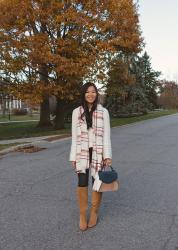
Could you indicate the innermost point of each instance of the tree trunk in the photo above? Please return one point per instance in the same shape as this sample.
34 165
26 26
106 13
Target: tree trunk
45 113
44 107
60 113
62 108
3 106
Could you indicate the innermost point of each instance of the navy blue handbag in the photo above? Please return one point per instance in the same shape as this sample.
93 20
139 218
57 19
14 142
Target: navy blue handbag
107 176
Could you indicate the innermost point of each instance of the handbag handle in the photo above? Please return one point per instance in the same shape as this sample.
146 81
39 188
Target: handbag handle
112 169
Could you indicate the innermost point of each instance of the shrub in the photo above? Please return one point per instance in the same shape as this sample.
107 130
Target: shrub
19 111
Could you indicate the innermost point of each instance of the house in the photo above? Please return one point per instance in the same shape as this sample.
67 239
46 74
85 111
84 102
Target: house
8 101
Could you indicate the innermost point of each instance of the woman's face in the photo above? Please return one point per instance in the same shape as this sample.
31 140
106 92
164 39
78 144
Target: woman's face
90 95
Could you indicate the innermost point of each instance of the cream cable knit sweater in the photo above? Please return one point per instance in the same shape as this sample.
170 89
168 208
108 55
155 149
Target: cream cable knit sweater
107 151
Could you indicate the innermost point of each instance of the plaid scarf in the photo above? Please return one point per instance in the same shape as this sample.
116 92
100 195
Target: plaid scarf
82 156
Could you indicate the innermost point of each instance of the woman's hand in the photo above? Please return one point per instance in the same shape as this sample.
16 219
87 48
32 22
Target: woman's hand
107 162
73 164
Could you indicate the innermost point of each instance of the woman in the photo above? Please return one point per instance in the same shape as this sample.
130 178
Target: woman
90 149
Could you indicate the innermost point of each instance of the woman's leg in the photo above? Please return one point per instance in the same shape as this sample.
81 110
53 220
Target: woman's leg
95 202
82 195
83 179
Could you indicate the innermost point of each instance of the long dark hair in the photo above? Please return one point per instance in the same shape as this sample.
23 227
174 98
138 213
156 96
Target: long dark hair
88 114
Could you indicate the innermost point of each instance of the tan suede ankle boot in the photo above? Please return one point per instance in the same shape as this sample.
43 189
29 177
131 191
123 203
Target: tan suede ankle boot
82 196
95 204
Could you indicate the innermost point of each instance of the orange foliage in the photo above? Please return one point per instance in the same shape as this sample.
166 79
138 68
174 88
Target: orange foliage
50 46
169 94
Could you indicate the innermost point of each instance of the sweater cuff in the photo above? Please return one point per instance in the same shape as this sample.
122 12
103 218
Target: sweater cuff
107 153
72 157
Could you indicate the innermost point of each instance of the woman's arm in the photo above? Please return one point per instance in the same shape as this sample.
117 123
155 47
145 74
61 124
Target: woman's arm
74 137
107 150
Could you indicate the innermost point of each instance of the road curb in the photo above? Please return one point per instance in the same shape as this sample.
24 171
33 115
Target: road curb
42 140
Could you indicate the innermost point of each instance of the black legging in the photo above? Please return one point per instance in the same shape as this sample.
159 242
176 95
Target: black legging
83 178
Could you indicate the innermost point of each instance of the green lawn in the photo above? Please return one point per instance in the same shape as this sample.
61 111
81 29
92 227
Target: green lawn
155 114
30 129
19 117
27 129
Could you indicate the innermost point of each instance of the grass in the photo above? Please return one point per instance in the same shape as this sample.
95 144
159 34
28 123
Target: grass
19 117
30 129
27 129
123 121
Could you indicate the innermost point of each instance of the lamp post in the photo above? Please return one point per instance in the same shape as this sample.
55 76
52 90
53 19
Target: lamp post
9 113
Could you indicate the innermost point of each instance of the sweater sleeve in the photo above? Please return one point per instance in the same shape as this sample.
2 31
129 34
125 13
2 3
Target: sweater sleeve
107 151
74 136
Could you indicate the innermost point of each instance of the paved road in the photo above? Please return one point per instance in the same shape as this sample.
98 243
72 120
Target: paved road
38 208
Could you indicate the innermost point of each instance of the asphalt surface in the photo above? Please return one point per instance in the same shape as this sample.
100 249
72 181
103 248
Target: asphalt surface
38 209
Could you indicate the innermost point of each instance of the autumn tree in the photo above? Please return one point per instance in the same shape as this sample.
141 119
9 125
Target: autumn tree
168 97
50 47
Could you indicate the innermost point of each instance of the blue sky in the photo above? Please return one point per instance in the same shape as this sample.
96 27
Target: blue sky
159 25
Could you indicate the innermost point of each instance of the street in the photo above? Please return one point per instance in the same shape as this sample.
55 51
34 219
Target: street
38 208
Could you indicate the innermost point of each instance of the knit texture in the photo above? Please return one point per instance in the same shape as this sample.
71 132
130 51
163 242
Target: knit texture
82 154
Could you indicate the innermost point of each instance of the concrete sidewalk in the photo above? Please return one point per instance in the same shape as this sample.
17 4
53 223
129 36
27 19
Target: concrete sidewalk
40 141
4 122
30 139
